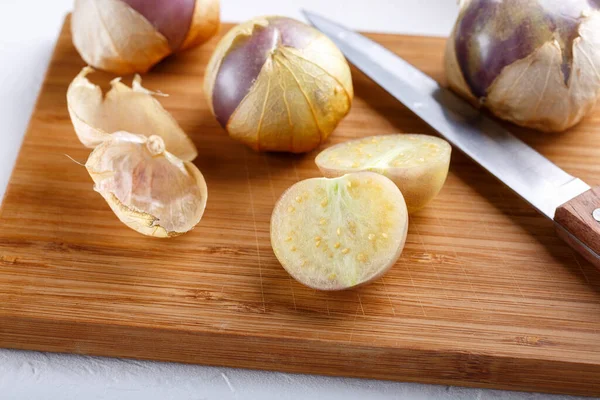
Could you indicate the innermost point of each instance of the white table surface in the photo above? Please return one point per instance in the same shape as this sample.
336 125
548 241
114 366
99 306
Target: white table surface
28 30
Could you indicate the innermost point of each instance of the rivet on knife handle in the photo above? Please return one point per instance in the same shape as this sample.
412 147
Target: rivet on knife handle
596 214
578 223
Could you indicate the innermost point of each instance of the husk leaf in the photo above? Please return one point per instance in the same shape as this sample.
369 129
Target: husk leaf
212 69
112 36
151 191
205 23
123 108
532 92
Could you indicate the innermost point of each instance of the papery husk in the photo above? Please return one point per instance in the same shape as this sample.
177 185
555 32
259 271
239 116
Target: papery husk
454 76
298 98
112 36
214 64
293 106
321 51
149 189
206 22
532 92
134 110
462 4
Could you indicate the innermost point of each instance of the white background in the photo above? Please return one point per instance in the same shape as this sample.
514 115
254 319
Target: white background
28 30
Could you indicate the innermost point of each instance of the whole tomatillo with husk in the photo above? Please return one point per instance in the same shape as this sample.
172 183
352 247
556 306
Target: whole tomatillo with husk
126 36
533 62
277 84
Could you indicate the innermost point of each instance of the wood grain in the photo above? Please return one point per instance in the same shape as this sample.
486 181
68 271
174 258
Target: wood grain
485 294
576 218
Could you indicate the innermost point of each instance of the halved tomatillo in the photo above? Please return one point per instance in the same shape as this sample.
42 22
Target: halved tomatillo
334 234
417 164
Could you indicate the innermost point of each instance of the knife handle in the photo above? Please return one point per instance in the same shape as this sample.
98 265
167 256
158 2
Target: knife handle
577 222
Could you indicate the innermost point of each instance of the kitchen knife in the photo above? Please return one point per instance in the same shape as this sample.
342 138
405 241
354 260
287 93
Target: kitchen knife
569 202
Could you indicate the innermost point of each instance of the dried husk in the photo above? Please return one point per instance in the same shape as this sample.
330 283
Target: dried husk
205 23
149 189
298 97
455 77
113 36
133 110
532 91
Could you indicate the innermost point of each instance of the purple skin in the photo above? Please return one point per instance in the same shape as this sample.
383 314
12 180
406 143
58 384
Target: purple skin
245 58
493 34
172 18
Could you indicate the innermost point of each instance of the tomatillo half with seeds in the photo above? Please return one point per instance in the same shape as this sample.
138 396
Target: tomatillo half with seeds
334 234
417 164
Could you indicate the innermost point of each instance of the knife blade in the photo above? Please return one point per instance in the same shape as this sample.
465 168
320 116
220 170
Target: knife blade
532 176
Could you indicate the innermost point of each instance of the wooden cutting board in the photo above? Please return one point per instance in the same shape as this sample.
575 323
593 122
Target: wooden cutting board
484 294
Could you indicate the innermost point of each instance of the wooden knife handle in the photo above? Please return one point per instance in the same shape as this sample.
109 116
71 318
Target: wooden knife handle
577 222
